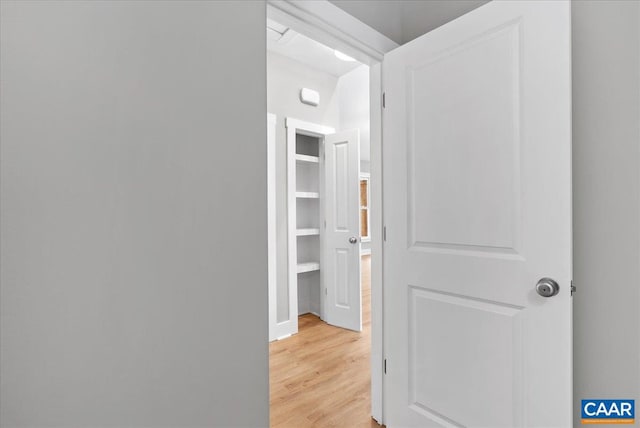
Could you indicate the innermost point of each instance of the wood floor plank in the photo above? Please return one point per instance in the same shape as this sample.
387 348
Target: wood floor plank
320 377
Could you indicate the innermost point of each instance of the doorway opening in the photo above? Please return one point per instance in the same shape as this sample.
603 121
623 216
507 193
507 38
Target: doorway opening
319 240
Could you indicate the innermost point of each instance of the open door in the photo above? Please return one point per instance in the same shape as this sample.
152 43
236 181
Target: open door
341 277
477 209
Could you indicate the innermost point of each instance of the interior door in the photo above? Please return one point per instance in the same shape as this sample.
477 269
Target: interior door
477 209
341 271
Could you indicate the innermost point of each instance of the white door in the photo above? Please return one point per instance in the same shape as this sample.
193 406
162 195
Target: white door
341 259
477 209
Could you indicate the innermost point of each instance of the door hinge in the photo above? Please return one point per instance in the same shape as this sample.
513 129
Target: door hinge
385 366
325 224
326 293
384 100
573 288
384 233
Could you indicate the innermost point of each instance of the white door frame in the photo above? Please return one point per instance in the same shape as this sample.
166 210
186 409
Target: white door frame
330 25
271 225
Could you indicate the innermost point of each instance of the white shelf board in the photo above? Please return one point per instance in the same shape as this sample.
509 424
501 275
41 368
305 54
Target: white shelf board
308 159
308 267
308 195
307 232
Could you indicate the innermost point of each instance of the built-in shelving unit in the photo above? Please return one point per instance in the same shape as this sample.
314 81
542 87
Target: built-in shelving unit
305 200
304 168
307 232
307 158
308 267
307 195
307 211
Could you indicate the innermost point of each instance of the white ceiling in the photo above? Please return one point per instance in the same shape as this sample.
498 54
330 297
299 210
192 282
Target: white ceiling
286 42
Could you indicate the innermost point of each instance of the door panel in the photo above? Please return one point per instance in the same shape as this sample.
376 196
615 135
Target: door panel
339 167
481 365
343 299
477 193
474 204
341 279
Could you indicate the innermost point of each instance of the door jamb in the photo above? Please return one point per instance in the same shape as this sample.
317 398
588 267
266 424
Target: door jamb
330 25
271 224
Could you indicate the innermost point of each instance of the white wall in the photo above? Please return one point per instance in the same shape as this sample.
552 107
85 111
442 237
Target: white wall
285 78
353 102
133 214
606 204
353 106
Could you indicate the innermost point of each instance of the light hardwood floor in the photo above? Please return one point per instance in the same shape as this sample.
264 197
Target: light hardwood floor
320 377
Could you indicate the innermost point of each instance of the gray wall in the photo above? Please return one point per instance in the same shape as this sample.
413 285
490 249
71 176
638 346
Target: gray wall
383 15
133 214
421 16
606 204
404 20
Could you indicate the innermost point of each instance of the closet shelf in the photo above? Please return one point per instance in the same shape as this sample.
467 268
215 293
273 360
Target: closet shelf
308 195
308 267
307 232
307 158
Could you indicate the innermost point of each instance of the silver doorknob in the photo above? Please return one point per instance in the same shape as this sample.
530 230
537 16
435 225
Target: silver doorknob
353 240
547 287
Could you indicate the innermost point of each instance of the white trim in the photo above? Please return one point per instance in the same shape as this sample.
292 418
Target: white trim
292 244
333 27
377 254
365 251
307 128
284 337
274 330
